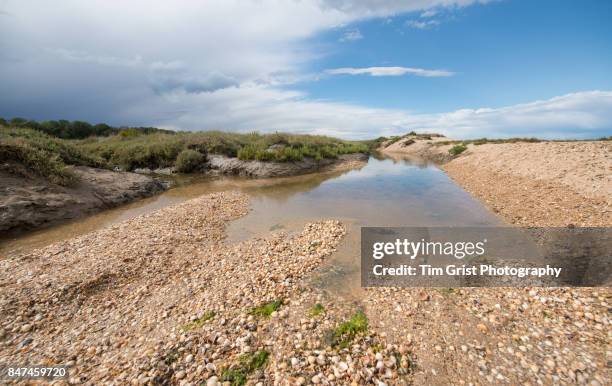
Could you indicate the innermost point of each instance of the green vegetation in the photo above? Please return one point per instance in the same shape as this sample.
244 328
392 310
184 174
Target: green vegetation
161 150
42 154
344 334
285 148
237 375
457 149
445 291
52 157
266 309
189 160
171 357
317 310
208 315
413 134
76 129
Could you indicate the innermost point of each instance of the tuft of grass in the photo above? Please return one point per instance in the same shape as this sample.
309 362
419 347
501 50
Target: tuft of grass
171 357
208 315
238 374
317 310
344 334
266 309
446 291
457 149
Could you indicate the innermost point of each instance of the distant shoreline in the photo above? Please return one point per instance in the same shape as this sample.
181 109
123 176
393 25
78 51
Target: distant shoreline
544 183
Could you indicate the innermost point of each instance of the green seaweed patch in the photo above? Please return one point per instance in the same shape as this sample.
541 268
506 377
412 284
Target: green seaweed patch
344 334
247 363
317 310
266 309
198 322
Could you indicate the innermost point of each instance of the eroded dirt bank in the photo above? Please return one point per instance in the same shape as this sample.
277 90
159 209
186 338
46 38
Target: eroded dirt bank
28 201
219 164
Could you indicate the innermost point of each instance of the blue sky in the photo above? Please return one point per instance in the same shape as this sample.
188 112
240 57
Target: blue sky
503 53
354 69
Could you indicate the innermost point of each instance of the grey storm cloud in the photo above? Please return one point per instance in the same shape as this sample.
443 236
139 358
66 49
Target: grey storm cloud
209 83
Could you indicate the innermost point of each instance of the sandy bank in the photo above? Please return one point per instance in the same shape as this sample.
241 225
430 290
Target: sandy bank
531 184
540 184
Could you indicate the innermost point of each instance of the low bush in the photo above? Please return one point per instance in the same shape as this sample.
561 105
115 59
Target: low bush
457 149
189 161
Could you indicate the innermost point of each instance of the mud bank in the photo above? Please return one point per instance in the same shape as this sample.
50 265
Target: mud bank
222 165
28 201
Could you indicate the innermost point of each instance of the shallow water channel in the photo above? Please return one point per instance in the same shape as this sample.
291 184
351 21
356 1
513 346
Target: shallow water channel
385 192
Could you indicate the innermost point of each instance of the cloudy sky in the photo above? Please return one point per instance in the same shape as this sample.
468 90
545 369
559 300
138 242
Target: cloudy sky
354 69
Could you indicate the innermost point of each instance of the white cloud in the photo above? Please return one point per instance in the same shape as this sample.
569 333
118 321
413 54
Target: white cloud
351 35
429 13
419 24
388 71
578 115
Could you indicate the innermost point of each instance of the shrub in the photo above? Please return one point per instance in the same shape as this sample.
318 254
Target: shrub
189 160
457 149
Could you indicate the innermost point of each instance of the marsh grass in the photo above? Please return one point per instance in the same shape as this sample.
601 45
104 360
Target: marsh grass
160 150
44 155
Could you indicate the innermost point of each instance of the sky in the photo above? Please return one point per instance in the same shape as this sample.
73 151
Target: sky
352 69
